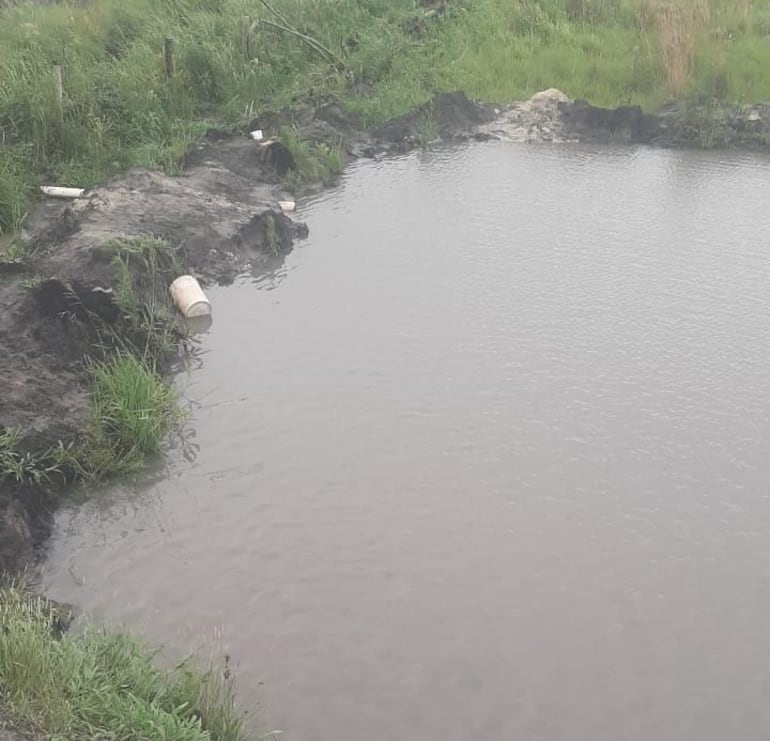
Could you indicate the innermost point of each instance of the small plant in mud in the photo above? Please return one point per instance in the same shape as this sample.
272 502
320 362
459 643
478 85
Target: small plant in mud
154 255
272 243
313 162
142 269
704 124
97 685
13 463
32 282
427 133
24 466
125 297
12 251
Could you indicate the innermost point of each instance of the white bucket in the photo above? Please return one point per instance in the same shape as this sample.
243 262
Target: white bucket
256 135
59 192
287 206
189 298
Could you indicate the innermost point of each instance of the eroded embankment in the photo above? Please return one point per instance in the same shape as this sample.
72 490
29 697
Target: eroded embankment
221 218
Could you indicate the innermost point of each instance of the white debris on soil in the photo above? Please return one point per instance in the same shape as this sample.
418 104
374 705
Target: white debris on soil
533 120
56 191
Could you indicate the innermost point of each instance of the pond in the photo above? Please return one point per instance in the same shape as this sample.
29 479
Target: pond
487 457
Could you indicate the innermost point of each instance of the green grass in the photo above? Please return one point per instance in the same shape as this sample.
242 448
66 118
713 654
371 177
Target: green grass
96 685
15 186
142 269
133 410
120 111
314 162
271 235
20 465
12 250
14 464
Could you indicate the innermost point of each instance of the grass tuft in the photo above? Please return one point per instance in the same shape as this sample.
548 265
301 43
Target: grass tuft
23 466
12 250
142 268
95 685
14 464
133 409
314 162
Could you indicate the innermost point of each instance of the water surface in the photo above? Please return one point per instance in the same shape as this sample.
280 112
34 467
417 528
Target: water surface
487 458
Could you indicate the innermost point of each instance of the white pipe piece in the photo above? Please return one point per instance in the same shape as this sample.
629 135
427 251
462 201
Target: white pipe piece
60 192
189 298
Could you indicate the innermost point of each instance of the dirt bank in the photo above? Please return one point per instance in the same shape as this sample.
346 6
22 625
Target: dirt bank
550 116
221 215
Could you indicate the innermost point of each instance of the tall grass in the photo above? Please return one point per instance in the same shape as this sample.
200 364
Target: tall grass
15 188
679 26
133 410
95 685
120 111
132 405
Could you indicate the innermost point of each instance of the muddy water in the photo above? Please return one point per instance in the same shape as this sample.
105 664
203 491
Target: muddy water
488 458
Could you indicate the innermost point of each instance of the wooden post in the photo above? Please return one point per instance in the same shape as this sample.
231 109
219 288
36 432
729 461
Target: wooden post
168 52
246 35
58 88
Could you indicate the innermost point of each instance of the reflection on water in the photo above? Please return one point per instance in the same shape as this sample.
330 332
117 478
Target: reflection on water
489 459
199 324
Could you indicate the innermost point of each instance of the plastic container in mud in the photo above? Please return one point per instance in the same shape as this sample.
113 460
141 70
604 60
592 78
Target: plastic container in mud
287 206
189 298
